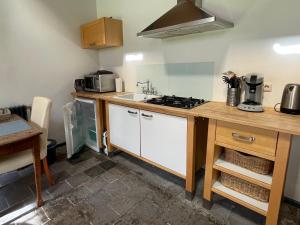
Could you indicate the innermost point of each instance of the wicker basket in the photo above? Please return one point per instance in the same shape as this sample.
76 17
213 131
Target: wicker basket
255 164
244 187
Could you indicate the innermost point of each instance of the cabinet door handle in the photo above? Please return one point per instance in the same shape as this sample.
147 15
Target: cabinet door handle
147 116
130 112
238 137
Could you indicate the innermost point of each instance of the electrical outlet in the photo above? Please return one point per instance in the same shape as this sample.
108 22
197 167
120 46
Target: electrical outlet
267 87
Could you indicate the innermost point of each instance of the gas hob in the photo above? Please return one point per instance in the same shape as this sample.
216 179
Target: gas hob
178 102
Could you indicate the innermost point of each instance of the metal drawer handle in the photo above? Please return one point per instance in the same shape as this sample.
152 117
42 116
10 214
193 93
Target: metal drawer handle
239 137
130 112
147 116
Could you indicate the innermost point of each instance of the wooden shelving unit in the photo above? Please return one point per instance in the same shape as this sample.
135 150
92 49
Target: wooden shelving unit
251 203
223 135
262 180
240 172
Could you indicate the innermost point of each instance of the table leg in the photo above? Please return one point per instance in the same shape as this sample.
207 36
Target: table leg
279 174
37 169
212 153
191 153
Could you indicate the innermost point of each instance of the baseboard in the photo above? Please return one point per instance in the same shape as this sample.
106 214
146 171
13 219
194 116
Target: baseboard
292 202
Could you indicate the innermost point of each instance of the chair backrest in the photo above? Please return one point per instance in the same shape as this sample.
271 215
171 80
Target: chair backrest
40 114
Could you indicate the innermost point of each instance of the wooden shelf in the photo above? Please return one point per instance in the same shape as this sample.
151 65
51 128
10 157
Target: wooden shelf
92 130
269 157
251 203
245 174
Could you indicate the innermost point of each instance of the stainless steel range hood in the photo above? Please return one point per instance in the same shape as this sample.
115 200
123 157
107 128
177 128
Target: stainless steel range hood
185 18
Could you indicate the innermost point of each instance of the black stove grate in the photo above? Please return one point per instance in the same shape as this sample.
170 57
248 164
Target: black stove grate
178 102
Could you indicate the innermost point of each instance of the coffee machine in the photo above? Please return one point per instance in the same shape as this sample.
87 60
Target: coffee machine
253 87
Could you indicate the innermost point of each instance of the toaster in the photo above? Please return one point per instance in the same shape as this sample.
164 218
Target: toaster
290 102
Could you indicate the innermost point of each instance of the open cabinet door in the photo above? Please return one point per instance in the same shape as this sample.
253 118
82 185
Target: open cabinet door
74 129
89 121
80 125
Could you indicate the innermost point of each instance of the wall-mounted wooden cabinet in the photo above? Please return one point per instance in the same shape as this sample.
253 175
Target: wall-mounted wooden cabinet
102 33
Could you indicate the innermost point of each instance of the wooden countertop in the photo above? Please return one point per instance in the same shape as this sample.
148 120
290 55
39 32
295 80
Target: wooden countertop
269 119
92 95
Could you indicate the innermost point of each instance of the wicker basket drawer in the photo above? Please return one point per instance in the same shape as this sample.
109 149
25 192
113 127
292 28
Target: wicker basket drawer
255 164
244 187
252 139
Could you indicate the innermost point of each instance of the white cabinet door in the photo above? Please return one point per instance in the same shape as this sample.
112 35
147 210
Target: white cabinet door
164 139
124 125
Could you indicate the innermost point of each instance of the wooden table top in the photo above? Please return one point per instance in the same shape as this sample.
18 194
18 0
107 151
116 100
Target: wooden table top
11 138
269 119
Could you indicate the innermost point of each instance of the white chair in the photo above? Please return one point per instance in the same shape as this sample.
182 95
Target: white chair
40 115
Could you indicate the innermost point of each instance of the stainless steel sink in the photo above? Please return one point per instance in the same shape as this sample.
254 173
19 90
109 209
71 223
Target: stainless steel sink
136 97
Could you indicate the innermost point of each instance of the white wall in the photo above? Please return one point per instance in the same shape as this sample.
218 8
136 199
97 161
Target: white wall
40 52
246 48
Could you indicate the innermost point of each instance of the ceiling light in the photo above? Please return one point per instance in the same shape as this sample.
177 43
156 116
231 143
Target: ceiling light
134 57
286 49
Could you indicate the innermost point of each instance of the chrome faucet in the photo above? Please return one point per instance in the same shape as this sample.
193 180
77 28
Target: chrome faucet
149 90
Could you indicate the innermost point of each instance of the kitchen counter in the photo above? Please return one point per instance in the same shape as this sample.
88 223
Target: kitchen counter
94 95
141 105
269 119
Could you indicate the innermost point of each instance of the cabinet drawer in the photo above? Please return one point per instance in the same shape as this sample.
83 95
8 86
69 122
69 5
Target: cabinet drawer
249 138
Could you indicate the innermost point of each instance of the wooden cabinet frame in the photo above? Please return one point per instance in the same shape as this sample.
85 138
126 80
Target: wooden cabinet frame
196 147
278 180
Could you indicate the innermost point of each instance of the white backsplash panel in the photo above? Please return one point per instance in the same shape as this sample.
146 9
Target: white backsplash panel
182 79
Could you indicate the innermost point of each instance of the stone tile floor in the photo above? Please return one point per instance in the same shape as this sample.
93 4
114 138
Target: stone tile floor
94 189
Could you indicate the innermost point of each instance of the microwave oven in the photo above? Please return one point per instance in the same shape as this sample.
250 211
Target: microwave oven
101 81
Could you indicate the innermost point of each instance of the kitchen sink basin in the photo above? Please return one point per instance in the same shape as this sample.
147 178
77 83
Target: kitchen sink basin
135 97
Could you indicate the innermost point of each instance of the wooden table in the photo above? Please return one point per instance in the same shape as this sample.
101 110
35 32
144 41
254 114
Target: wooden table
21 141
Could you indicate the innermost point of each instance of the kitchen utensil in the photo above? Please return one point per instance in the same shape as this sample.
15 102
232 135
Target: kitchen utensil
231 79
290 102
226 80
